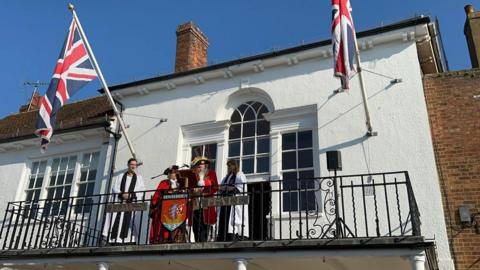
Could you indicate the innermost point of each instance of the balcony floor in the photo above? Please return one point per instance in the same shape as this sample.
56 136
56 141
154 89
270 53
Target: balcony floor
387 253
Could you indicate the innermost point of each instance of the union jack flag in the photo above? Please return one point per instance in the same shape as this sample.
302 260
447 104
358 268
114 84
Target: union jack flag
73 71
344 41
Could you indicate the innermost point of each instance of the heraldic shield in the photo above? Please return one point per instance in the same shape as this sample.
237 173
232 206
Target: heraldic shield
174 210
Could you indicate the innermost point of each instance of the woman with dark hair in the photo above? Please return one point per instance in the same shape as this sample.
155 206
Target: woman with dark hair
233 220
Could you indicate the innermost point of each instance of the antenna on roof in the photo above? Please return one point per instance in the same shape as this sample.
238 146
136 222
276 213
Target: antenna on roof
35 86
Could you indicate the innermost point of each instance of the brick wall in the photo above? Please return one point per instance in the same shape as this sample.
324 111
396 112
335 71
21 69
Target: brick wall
192 47
453 102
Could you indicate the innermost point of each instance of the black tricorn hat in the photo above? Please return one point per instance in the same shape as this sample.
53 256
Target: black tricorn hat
170 169
200 160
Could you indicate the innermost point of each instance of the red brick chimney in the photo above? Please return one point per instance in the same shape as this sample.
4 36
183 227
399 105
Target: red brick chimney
472 34
33 104
192 47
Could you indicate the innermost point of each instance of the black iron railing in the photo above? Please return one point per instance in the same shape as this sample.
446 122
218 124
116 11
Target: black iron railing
354 206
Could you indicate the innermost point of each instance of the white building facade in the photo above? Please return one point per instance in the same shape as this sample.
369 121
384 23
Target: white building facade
278 115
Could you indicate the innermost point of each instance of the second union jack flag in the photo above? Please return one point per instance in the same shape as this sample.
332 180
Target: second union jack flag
344 41
73 71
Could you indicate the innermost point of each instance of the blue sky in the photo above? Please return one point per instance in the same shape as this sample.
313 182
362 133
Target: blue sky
136 39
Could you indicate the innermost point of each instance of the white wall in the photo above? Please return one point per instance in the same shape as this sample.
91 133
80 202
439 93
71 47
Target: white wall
398 113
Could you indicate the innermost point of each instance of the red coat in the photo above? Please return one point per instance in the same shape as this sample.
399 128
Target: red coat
210 214
210 188
158 234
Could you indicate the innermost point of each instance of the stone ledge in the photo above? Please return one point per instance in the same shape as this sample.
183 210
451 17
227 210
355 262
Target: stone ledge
458 73
209 247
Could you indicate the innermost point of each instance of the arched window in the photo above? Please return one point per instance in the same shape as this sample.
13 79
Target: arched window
249 138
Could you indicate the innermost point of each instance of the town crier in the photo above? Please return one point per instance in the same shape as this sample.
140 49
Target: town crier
205 185
168 210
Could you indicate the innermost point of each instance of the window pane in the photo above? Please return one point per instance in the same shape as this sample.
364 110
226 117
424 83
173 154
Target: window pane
36 195
263 127
305 139
31 181
305 158
247 165
248 147
66 192
92 175
83 175
263 164
63 164
69 178
55 164
34 167
38 182
29 195
71 162
90 189
94 161
289 161
234 131
81 189
308 200
263 145
249 129
58 192
289 180
236 117
197 151
256 106
242 108
60 179
305 175
249 115
234 149
50 193
211 151
263 110
290 201
43 166
52 180
289 141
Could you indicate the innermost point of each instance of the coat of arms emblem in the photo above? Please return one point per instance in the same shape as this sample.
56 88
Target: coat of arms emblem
174 210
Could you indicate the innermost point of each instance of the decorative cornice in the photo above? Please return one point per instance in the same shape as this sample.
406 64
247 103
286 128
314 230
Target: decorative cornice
211 131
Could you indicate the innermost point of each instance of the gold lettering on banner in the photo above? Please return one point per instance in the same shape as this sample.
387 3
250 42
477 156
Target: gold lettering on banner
126 207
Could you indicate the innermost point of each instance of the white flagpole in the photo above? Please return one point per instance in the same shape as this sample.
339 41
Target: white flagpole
102 80
368 120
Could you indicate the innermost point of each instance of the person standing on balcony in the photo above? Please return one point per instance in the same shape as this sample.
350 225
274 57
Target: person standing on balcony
206 185
123 227
233 220
171 228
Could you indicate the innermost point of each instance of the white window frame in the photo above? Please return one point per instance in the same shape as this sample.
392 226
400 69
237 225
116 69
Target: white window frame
255 139
205 133
48 172
297 169
286 121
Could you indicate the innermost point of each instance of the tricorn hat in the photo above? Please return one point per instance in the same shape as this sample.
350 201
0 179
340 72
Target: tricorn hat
200 160
170 169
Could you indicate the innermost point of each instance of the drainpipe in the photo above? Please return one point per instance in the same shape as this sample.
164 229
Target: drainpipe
116 135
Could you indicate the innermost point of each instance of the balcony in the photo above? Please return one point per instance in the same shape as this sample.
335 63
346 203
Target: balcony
368 211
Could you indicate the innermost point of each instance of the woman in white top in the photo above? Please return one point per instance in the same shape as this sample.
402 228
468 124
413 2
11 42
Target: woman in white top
233 220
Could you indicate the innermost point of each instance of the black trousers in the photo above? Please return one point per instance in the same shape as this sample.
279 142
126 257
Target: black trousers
223 235
200 229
